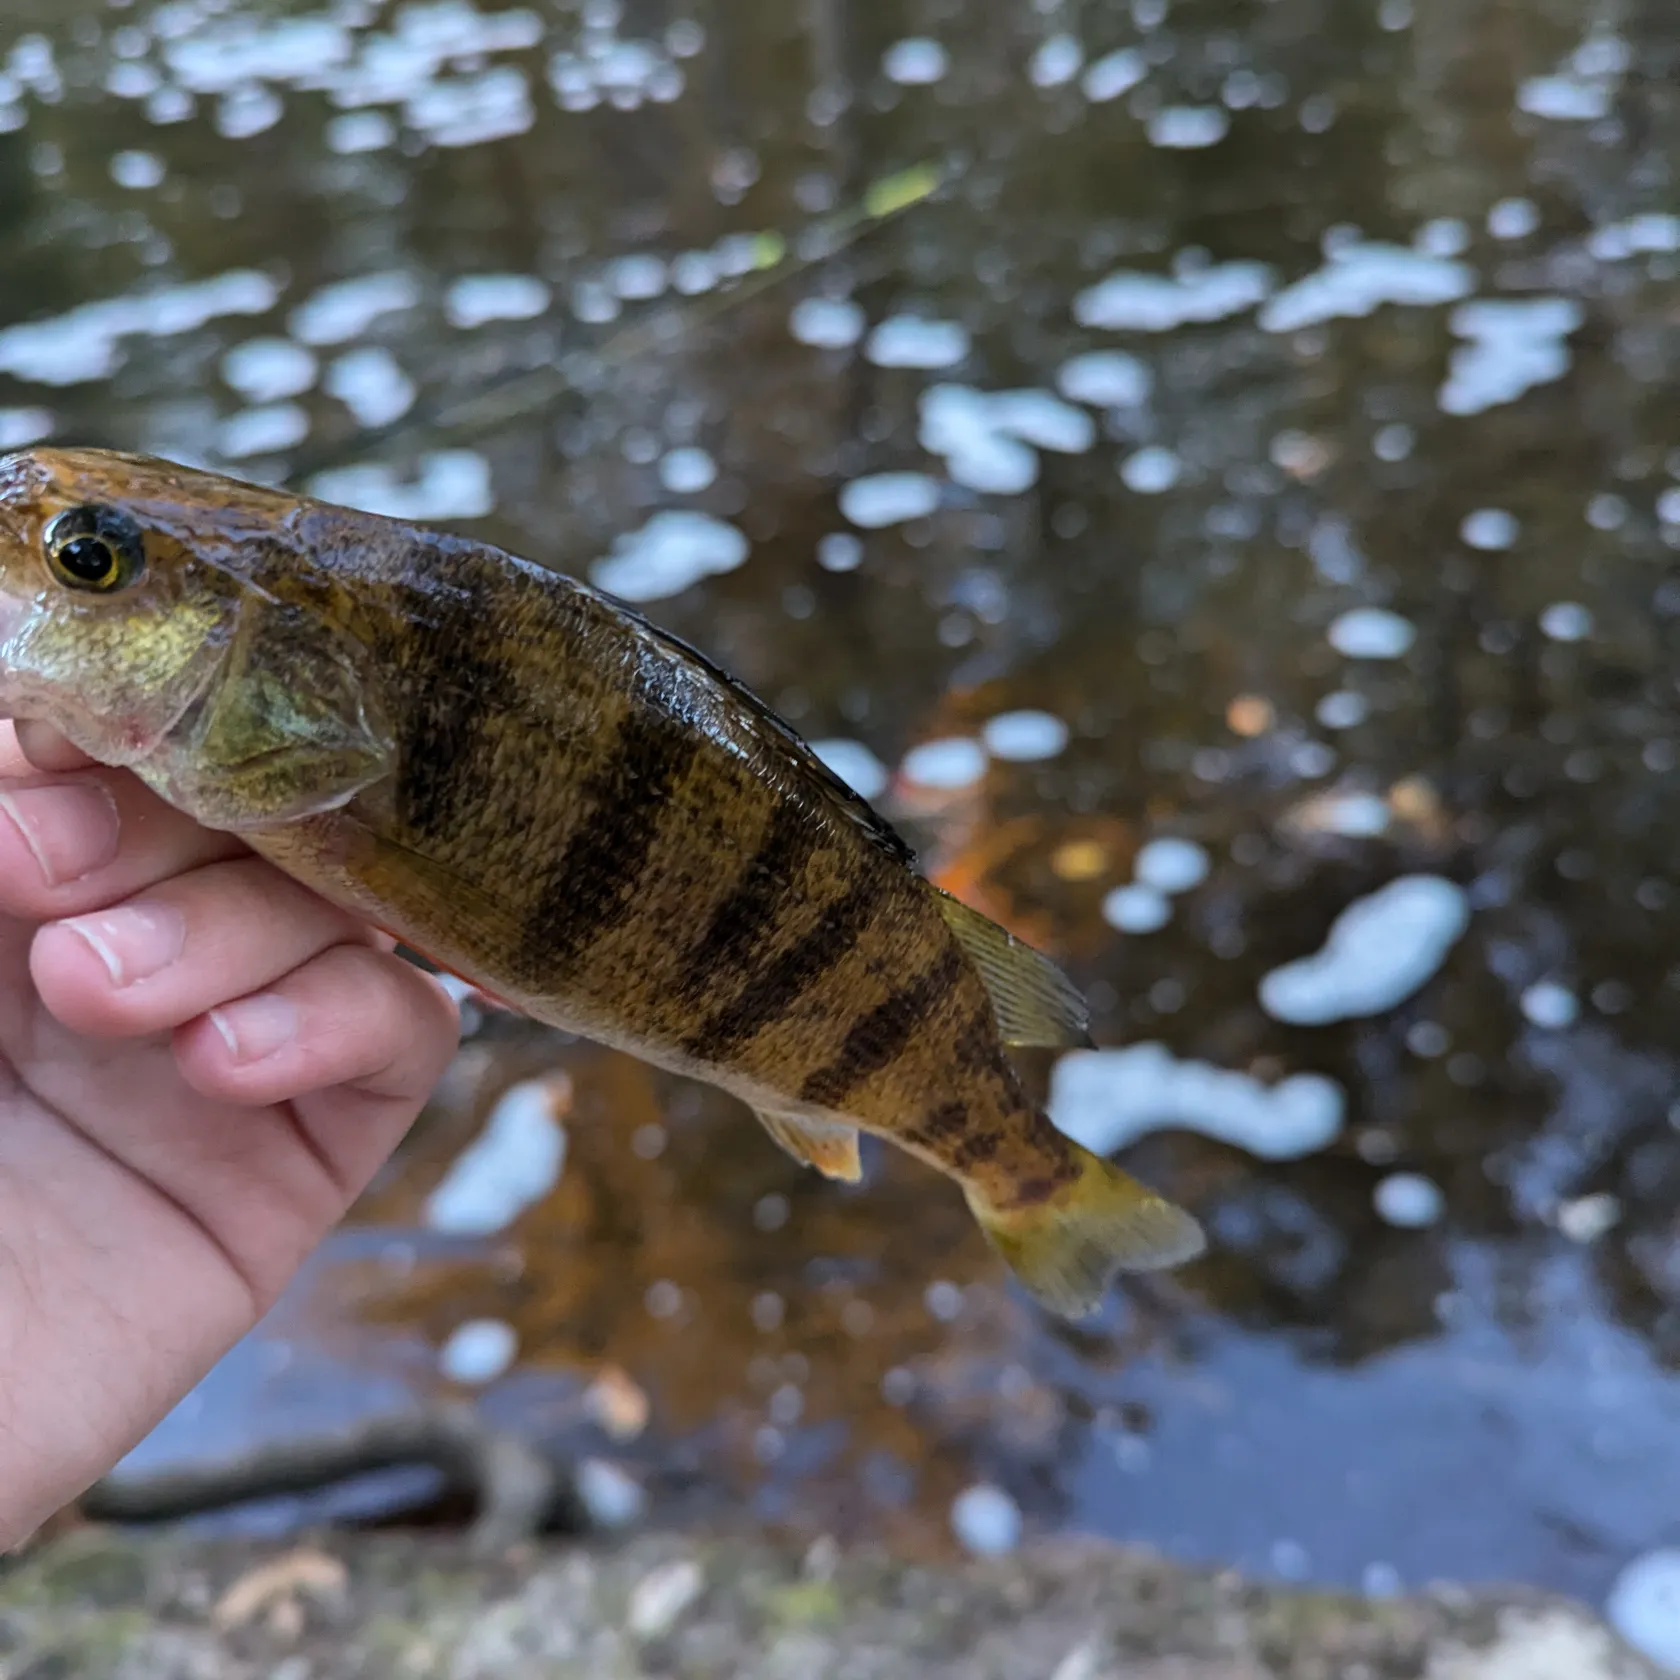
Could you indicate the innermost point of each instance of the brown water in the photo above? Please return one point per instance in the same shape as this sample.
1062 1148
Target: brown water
1329 1394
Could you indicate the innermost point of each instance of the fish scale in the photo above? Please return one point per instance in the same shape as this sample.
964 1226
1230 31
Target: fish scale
569 808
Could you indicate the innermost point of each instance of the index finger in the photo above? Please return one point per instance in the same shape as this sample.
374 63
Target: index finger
28 745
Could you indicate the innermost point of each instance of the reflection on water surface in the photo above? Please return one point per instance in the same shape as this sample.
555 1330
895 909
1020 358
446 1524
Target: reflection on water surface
1232 527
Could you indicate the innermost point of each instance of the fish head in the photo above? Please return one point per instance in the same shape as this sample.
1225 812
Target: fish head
163 619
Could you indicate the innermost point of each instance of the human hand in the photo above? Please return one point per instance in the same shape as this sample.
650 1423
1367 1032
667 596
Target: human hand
201 1065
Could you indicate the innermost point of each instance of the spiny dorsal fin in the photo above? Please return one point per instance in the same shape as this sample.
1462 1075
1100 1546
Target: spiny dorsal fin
1034 1002
824 1144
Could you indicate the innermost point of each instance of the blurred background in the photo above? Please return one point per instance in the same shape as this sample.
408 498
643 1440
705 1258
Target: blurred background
1232 526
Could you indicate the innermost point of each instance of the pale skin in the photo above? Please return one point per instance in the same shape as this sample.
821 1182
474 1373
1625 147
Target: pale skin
201 1065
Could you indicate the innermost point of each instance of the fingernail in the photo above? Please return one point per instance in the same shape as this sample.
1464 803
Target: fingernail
133 942
255 1027
71 827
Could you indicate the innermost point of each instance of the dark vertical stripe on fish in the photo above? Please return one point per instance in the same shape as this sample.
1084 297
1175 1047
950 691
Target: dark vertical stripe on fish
878 1037
590 888
739 924
458 680
785 978
975 1044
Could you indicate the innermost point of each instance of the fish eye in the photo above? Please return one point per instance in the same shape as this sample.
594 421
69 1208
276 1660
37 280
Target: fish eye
94 548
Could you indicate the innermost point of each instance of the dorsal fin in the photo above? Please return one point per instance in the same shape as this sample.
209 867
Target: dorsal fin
1033 1001
846 798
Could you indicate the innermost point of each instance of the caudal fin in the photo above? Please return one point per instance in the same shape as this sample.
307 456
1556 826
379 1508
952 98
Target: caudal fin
1067 1248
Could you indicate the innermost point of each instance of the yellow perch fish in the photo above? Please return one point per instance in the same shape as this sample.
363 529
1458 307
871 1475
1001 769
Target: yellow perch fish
564 806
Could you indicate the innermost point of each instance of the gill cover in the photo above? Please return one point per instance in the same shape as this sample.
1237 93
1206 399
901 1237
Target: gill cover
289 726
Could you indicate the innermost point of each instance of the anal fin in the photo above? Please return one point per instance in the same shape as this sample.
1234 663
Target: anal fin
1033 1002
828 1145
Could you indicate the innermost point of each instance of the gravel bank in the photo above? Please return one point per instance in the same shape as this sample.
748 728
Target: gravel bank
94 1606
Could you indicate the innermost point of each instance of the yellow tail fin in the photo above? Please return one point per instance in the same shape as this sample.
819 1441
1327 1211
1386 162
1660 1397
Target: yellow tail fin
1067 1248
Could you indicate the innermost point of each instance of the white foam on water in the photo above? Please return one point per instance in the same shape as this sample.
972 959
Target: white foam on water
1567 621
1171 865
245 111
955 422
639 276
980 458
169 105
1188 127
1136 908
124 80
687 471
264 370
1371 633
1360 277
1025 737
222 58
1108 1099
952 761
402 65
1550 1005
370 383
262 431
1380 951
353 132
913 341
612 1497
1514 344
1513 218
916 61
1106 379
1443 236
1113 74
1564 98
1130 301
888 498
986 1520
1152 470
839 551
83 344
1409 1200
985 436
32 63
1354 816
1656 231
136 171
452 484
1056 62
827 323
674 550
20 427
855 765
345 309
474 299
1342 710
1587 1218
1644 1607
593 302
472 109
514 1162
478 1351
1041 419
1489 529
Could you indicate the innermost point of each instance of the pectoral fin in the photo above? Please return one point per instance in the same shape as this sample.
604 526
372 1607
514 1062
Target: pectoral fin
828 1146
1033 1001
